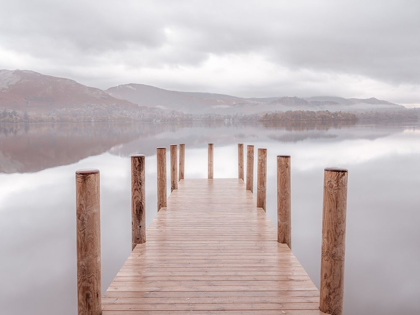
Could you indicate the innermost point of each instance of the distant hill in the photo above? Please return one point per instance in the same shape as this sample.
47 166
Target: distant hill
189 102
31 96
28 95
208 103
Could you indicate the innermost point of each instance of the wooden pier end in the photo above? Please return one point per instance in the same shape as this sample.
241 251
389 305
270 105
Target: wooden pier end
241 161
262 179
250 168
174 167
138 200
210 160
284 216
333 241
161 178
88 243
181 161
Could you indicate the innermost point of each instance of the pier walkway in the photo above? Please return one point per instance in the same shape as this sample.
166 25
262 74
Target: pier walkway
211 251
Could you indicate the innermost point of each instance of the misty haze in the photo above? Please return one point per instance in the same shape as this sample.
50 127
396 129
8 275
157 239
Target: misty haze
258 157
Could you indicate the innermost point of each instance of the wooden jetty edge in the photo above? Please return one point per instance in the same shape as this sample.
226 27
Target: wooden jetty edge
211 249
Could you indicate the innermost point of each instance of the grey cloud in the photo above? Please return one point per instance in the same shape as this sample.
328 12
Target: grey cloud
377 39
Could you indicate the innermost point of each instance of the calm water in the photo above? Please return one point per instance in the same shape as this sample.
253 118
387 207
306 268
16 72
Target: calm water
37 202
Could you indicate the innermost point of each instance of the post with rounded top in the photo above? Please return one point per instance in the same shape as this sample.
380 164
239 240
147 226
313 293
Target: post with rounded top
161 178
333 241
250 168
181 161
88 243
284 218
174 167
241 161
262 179
138 200
210 160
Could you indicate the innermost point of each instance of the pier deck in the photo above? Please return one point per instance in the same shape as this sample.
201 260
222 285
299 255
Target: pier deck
211 251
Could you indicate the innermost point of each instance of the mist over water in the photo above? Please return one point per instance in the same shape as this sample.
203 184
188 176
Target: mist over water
37 202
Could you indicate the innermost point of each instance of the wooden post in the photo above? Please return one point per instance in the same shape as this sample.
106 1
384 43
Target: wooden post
174 167
138 200
250 168
210 160
333 241
262 179
241 161
88 243
161 178
284 219
181 161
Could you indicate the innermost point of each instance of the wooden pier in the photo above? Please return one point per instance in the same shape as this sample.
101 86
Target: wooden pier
211 248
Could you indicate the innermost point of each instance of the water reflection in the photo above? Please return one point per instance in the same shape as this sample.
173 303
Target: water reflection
37 206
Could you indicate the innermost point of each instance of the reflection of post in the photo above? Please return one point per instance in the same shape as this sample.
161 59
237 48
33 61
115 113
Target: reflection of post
181 161
262 179
210 160
161 178
88 242
138 200
241 161
174 165
250 168
284 221
333 241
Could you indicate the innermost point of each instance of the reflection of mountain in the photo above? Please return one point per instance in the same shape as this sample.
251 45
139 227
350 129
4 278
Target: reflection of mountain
34 147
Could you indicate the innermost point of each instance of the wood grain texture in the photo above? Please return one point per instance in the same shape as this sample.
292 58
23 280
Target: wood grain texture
88 243
241 161
284 217
262 179
333 241
161 178
138 200
181 161
250 168
210 160
211 251
174 167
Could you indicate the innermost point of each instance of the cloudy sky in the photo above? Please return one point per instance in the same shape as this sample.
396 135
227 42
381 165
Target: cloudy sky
246 48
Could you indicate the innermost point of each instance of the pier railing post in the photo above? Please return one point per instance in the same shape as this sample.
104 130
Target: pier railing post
284 221
174 167
138 200
210 160
88 243
161 178
333 241
181 161
250 168
241 161
262 179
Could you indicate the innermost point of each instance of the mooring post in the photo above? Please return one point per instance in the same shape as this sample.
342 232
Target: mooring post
88 243
250 168
174 167
284 218
333 241
241 161
181 161
161 178
210 160
262 179
138 200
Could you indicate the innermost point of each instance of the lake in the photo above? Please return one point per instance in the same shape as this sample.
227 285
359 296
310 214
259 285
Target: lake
37 201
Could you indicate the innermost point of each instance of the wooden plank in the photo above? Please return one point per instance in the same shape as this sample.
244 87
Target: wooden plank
211 250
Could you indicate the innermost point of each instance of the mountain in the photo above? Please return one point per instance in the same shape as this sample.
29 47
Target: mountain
188 102
28 95
208 103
